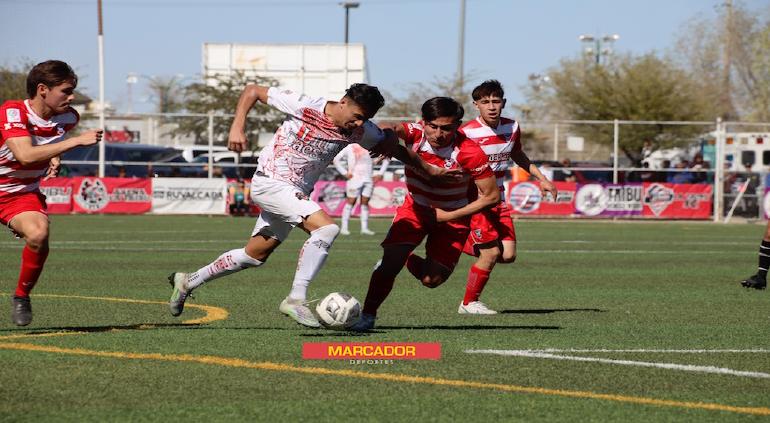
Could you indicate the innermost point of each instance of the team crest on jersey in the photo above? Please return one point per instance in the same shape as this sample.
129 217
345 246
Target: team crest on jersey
92 195
13 115
448 163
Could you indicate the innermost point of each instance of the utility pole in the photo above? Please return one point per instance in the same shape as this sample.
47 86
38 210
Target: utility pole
461 47
726 92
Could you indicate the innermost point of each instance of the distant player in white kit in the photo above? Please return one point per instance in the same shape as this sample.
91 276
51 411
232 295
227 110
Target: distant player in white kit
359 171
314 132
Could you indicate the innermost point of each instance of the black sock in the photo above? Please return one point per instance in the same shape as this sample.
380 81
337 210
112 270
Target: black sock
764 259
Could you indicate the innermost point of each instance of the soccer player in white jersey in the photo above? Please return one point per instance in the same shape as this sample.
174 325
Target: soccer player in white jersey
314 132
359 171
33 134
492 237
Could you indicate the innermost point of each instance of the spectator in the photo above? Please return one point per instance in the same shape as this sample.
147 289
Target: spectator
568 174
682 176
238 198
662 175
699 166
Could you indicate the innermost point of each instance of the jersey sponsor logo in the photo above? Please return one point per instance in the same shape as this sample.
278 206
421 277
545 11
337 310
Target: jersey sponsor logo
13 115
499 157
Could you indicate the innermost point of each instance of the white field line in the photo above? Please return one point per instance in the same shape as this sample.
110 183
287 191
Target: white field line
642 350
670 366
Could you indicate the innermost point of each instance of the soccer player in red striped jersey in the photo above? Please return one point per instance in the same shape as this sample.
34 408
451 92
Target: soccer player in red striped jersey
492 237
32 136
439 212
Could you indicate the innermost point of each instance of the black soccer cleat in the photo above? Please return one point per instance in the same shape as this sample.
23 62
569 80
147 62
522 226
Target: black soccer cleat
21 311
754 281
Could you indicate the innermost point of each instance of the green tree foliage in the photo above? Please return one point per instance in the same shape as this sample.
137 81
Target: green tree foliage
167 92
220 95
730 57
13 82
628 88
408 106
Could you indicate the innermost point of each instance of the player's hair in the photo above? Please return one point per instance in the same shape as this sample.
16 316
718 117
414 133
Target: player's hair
51 73
366 96
490 87
438 107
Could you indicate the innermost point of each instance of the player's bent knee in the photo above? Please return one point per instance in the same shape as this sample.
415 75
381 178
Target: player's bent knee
432 281
37 236
507 258
327 234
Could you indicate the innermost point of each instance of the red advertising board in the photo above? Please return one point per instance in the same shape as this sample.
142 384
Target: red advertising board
386 197
58 195
111 195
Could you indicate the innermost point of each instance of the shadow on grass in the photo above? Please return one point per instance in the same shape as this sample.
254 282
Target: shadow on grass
384 329
550 310
96 329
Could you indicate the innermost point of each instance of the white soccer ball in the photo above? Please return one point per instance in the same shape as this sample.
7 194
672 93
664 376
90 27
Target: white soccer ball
338 311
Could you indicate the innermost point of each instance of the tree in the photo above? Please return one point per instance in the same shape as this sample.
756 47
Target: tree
629 88
168 92
409 105
730 57
13 82
220 95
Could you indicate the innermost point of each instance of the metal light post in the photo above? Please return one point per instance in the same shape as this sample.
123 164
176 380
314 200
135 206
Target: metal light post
598 46
347 5
100 44
131 80
461 47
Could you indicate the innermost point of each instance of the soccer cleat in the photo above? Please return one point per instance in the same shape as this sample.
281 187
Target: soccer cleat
180 293
475 307
344 232
298 311
377 265
365 323
21 311
754 281
367 232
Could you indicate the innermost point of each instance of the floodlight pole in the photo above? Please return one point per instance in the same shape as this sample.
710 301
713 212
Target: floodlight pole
347 5
461 47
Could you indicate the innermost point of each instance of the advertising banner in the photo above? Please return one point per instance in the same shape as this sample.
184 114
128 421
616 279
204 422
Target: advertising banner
189 196
649 200
111 195
58 195
386 197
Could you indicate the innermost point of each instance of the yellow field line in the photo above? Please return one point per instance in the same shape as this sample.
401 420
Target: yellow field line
41 335
240 363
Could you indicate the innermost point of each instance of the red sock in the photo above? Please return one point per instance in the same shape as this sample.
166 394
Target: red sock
31 268
416 266
477 278
380 286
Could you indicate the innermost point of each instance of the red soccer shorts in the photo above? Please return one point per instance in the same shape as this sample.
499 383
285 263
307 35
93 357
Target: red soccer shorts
13 204
489 227
414 222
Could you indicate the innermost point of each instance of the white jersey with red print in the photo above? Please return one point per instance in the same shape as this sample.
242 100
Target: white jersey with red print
498 143
461 154
307 141
356 160
17 119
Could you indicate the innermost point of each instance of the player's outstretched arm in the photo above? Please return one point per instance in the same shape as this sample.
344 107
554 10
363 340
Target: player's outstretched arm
489 195
252 93
546 186
27 153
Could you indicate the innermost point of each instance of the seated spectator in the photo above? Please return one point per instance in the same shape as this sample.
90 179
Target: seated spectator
682 176
699 166
567 175
238 198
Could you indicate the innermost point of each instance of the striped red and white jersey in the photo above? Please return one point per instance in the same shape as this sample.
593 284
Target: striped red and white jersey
17 119
498 143
462 154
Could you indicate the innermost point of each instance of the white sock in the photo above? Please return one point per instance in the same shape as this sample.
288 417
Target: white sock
312 258
346 211
364 217
229 262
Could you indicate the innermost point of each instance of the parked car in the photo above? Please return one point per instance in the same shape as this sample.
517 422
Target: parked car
231 163
122 155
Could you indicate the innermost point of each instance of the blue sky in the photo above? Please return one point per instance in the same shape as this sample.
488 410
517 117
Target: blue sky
407 40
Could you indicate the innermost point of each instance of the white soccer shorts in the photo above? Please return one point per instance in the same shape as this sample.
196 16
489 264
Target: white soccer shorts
283 206
355 188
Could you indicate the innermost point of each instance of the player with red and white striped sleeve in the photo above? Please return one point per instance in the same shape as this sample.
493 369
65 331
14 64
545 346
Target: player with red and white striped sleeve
492 237
32 136
439 212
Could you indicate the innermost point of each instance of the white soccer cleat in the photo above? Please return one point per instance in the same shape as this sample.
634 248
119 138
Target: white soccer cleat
475 307
367 232
298 311
344 232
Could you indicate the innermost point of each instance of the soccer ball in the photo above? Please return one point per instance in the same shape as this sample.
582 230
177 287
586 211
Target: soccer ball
338 311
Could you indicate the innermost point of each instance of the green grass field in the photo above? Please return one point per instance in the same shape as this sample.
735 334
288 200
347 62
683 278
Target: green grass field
610 286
